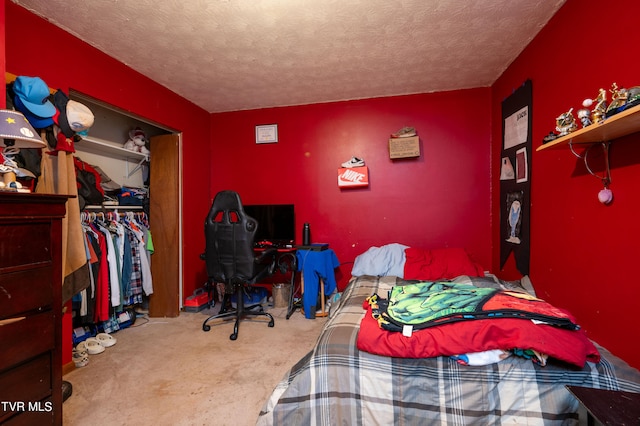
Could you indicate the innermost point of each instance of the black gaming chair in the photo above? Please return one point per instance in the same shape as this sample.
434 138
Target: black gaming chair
230 257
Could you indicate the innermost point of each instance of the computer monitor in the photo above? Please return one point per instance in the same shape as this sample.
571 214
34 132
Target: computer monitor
276 223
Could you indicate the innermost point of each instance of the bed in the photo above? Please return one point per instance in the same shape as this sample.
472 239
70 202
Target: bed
338 384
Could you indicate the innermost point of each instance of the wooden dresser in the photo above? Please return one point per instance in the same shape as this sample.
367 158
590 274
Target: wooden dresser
31 308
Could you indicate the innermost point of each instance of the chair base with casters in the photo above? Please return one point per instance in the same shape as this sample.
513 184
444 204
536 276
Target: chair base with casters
240 312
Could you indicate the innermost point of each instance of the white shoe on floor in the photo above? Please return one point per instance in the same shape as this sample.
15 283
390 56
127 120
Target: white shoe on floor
80 359
106 339
93 346
80 356
81 347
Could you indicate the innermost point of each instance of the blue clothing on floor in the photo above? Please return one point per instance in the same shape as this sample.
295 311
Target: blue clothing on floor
316 266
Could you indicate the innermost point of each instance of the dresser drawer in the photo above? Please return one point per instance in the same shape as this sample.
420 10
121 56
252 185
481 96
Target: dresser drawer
27 382
24 244
25 291
26 338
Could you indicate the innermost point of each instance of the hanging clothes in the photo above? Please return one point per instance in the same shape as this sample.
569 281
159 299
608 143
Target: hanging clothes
116 249
141 232
102 281
114 276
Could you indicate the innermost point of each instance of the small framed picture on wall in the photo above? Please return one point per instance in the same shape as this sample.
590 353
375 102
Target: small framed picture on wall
522 172
267 133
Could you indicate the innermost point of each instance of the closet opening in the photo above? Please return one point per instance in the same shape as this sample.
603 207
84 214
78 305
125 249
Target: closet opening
145 186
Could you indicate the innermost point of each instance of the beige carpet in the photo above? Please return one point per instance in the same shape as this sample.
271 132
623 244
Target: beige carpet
168 371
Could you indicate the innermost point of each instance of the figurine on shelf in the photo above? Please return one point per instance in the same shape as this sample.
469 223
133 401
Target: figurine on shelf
618 100
550 137
633 96
566 123
598 112
583 115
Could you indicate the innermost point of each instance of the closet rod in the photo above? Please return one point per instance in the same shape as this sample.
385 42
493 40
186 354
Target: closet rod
109 207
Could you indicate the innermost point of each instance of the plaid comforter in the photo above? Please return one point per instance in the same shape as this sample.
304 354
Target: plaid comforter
335 384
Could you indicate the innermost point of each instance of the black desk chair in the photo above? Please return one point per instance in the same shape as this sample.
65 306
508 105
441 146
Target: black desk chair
230 257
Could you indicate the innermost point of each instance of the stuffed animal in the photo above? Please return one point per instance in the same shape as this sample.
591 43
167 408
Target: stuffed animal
137 141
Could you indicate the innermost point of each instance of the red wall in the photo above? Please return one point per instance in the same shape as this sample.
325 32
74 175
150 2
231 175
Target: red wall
92 72
440 199
583 254
579 247
44 51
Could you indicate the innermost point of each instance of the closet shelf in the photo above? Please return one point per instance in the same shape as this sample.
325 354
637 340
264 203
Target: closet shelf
101 146
614 127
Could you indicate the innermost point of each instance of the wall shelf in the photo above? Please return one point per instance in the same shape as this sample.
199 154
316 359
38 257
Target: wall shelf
616 126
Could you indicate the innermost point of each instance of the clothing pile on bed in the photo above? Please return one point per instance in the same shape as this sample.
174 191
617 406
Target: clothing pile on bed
446 307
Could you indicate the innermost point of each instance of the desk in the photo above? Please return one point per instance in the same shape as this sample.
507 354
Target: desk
608 407
316 266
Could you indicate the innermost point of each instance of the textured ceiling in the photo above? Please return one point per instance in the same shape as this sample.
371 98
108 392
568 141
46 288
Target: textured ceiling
227 55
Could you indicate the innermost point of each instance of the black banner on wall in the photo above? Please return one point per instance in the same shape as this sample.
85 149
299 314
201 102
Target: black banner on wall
515 177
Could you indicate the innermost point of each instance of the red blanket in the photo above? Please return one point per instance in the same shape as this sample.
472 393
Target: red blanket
438 264
477 336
